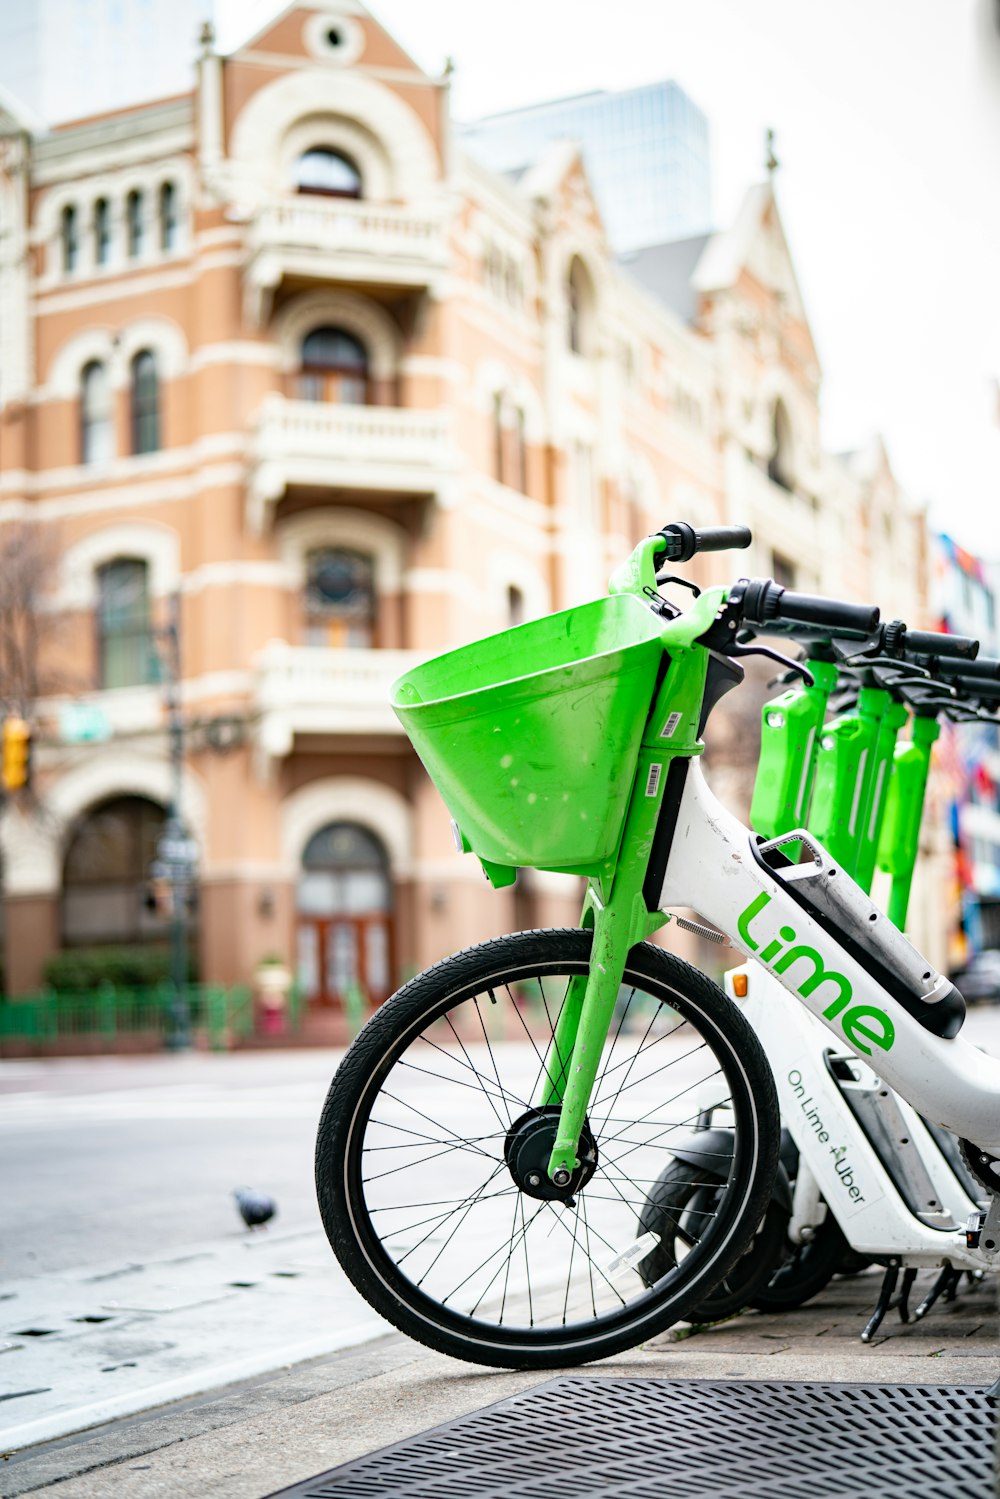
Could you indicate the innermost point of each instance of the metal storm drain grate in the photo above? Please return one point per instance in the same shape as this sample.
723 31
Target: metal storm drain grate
596 1438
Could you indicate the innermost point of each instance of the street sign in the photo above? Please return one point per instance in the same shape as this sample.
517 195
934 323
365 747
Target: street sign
177 850
83 723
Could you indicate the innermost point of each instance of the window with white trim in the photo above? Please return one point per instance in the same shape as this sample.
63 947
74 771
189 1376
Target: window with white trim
779 465
339 598
579 307
169 222
69 238
327 172
144 393
102 232
126 645
334 368
97 443
135 225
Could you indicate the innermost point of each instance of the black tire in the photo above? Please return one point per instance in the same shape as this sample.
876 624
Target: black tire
429 1096
676 1208
808 1271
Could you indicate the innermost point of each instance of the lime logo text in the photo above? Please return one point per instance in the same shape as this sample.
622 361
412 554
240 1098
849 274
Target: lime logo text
863 1025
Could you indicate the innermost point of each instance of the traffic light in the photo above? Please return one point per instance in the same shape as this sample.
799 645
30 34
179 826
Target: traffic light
16 770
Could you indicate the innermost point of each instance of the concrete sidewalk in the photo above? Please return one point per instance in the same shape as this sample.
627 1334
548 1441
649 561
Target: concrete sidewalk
250 1440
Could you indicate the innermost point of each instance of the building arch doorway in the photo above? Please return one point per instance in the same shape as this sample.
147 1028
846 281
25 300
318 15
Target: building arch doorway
106 872
345 938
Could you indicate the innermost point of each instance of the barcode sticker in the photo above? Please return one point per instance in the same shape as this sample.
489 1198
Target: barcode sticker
653 780
630 1258
667 732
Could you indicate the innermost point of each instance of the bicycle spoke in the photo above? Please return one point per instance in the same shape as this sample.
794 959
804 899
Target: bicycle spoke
478 1075
475 1240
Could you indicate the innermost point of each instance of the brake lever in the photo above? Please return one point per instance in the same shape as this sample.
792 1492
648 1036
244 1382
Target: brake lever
736 649
906 669
662 578
897 681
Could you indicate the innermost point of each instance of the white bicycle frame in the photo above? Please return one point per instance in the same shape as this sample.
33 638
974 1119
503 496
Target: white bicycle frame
713 870
837 1159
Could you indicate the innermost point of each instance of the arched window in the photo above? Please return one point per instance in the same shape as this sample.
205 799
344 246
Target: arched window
498 454
145 403
70 239
344 904
340 598
520 435
321 170
579 307
168 216
515 605
96 414
334 368
126 650
105 873
102 231
780 466
135 225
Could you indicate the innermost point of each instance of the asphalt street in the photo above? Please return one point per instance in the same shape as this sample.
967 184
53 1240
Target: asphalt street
129 1279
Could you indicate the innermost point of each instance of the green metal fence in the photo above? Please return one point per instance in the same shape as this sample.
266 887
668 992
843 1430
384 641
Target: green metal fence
112 1019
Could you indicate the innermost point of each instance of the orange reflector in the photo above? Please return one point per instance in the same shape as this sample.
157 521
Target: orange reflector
740 985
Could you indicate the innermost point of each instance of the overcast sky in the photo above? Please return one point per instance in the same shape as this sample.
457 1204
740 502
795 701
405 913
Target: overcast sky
887 115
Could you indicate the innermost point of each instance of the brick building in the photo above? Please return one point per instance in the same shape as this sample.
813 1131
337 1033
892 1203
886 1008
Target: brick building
277 349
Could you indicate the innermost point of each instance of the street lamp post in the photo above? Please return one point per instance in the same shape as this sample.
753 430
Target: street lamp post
175 856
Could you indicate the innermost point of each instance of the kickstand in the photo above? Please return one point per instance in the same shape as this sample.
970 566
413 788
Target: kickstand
885 1302
946 1285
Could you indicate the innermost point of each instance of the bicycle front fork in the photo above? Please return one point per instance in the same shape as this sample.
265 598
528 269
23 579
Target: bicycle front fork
585 1018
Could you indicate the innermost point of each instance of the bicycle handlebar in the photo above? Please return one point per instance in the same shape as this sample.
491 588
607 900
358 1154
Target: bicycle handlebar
984 669
765 602
682 540
977 687
936 643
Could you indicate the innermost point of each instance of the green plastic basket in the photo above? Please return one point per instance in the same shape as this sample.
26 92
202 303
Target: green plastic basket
532 736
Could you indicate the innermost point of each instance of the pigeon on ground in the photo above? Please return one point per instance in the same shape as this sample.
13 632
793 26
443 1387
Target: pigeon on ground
255 1207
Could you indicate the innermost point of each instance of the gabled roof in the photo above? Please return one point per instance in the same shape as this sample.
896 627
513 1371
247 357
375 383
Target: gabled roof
680 271
541 179
559 168
732 251
353 7
869 460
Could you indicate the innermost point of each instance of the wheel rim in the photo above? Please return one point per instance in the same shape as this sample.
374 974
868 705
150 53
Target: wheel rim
433 1203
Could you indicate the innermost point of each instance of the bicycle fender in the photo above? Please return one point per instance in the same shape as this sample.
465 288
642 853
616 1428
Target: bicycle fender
712 1149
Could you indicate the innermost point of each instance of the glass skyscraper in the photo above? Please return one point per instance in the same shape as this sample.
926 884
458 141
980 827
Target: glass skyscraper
645 150
65 59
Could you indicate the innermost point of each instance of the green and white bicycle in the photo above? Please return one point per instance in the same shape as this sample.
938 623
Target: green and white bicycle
489 1144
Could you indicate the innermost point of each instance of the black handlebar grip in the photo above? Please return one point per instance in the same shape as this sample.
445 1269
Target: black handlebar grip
684 540
935 643
976 687
811 609
984 669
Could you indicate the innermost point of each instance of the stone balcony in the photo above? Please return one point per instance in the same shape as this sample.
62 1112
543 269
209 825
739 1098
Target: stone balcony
317 446
307 241
305 690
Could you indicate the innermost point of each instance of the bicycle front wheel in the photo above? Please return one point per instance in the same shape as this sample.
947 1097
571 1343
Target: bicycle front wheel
433 1143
